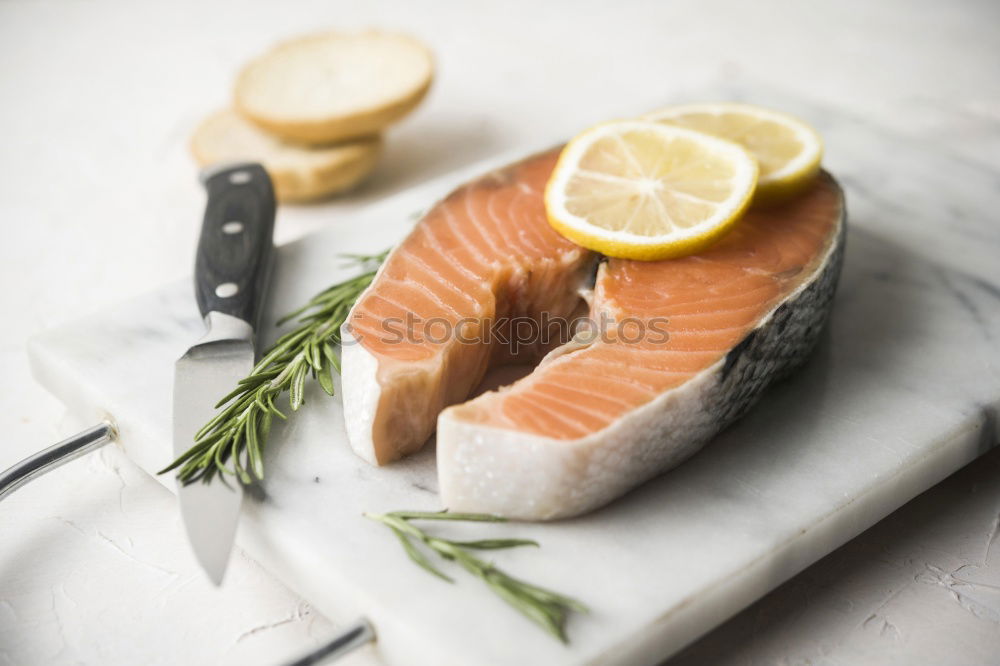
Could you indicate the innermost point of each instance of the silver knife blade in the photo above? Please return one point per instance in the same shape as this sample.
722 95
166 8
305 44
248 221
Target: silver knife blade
231 271
208 371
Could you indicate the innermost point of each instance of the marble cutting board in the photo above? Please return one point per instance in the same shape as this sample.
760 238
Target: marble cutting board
903 390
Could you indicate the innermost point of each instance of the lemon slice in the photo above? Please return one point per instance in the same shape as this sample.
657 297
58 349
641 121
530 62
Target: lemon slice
643 190
787 149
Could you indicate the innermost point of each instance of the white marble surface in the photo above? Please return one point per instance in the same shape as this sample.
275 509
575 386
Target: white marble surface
856 434
99 204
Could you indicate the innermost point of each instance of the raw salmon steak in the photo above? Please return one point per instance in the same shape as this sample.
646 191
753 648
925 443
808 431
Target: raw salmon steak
674 351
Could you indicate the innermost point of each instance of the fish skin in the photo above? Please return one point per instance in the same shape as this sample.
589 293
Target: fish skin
497 460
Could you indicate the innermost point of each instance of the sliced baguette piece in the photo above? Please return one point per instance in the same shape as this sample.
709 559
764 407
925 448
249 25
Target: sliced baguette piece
334 86
299 173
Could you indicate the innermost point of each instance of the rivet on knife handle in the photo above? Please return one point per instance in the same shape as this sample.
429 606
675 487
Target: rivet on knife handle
235 248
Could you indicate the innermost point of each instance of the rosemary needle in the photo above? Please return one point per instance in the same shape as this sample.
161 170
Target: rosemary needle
232 442
544 607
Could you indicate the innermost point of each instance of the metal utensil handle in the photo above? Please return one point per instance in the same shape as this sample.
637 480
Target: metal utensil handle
235 247
69 449
350 639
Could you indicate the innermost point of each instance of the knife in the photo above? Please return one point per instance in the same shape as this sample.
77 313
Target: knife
231 273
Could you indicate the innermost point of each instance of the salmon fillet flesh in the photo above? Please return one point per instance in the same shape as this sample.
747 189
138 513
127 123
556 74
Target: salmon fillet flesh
422 336
674 350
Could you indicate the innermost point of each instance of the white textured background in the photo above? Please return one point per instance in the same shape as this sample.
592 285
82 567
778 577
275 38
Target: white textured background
98 202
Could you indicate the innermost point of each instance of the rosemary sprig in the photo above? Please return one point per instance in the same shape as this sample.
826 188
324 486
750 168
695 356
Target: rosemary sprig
546 608
231 443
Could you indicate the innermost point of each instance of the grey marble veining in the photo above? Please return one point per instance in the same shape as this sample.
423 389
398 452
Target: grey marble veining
903 390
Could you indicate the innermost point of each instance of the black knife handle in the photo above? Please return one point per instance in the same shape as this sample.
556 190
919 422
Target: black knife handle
236 244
